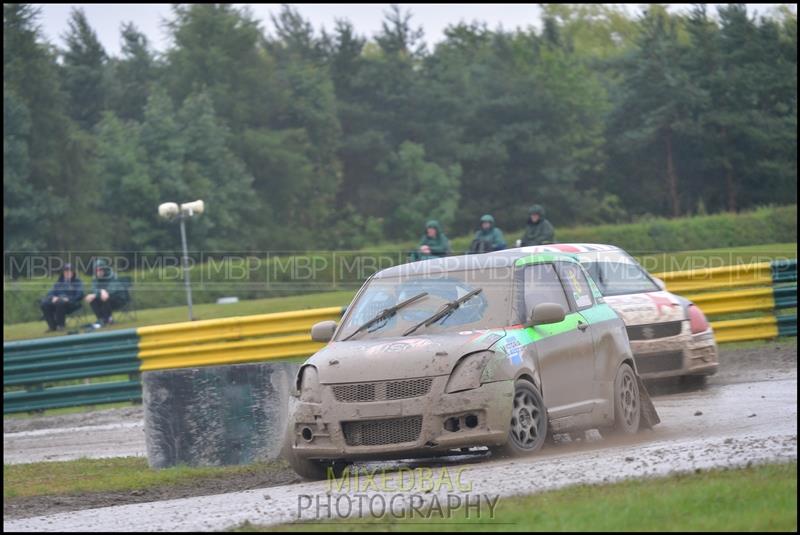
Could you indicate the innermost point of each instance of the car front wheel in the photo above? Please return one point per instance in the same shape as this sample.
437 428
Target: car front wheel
528 428
309 468
627 401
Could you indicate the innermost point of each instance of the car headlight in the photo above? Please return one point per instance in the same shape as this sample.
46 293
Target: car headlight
697 320
308 385
467 373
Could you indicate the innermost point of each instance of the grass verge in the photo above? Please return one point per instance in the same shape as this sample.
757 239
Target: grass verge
68 410
158 316
762 498
111 475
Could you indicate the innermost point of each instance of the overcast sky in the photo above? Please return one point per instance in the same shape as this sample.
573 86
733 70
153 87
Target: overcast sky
434 18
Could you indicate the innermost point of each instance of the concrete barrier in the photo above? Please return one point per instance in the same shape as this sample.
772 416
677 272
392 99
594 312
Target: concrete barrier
216 415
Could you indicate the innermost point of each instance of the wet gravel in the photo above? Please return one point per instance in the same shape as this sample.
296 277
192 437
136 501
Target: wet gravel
746 414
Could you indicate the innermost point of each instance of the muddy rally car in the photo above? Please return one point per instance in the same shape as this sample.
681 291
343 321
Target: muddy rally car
494 350
670 336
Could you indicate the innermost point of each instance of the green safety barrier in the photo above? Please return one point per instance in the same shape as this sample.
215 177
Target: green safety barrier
784 270
787 325
71 396
31 366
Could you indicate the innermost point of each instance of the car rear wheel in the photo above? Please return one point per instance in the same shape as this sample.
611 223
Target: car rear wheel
627 401
528 429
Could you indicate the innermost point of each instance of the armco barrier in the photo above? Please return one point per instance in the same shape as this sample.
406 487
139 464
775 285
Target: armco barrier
761 287
734 276
29 366
231 340
763 327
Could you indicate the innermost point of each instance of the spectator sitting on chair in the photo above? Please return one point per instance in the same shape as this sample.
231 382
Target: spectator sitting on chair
538 230
108 293
64 298
488 238
433 243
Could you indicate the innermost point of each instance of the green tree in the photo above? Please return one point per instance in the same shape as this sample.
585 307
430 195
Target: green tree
219 47
130 197
213 173
84 71
22 206
653 108
55 151
421 191
133 75
161 139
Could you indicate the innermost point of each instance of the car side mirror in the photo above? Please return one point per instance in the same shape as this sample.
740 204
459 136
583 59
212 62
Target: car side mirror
661 284
323 331
545 313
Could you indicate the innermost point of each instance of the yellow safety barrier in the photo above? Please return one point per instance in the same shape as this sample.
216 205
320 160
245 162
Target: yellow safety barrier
755 299
231 340
695 280
256 349
745 329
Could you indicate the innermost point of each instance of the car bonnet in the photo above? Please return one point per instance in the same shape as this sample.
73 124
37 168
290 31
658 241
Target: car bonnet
399 357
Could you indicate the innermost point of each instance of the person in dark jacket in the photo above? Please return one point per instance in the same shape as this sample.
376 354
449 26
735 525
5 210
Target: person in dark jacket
433 243
488 238
64 298
538 230
108 293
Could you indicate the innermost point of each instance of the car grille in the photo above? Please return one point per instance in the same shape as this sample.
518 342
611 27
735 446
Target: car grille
659 362
381 391
654 330
382 432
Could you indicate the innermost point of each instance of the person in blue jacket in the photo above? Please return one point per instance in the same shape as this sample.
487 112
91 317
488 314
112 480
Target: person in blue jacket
64 298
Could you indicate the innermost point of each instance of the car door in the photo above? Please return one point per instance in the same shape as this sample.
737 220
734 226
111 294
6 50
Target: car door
564 349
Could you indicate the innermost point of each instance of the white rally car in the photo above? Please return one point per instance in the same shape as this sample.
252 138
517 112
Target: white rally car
669 335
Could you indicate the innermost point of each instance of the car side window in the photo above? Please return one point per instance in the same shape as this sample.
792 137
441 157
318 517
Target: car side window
577 287
542 285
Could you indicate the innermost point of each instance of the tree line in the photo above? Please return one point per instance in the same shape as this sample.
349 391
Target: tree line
298 138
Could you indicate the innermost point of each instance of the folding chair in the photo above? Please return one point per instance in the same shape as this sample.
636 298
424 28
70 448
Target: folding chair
128 310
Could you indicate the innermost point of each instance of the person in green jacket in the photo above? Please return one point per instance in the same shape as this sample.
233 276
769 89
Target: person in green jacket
108 293
538 230
488 238
433 243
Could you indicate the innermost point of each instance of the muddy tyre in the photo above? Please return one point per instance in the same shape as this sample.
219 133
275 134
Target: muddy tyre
692 382
309 468
528 430
627 401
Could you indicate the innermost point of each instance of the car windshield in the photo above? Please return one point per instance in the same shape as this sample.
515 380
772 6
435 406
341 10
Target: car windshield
490 308
619 277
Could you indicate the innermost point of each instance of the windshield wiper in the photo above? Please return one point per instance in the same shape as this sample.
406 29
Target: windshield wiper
384 314
446 310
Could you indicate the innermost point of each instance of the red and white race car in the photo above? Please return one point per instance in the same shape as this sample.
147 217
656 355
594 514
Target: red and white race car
669 335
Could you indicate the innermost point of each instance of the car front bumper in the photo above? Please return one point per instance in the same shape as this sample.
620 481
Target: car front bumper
684 354
431 424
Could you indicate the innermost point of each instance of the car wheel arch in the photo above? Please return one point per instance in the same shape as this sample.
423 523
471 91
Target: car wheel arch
531 376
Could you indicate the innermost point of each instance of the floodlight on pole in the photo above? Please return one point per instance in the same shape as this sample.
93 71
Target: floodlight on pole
171 210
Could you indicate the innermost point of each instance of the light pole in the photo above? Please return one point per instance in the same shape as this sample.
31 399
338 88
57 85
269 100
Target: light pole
171 210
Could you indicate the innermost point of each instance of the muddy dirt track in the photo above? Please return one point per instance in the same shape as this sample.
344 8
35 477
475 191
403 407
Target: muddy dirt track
747 414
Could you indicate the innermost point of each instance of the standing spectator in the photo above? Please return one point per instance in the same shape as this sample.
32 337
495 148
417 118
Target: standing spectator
488 238
433 243
538 230
64 298
108 293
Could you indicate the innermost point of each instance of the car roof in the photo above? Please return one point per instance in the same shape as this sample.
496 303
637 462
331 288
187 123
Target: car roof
495 260
573 248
